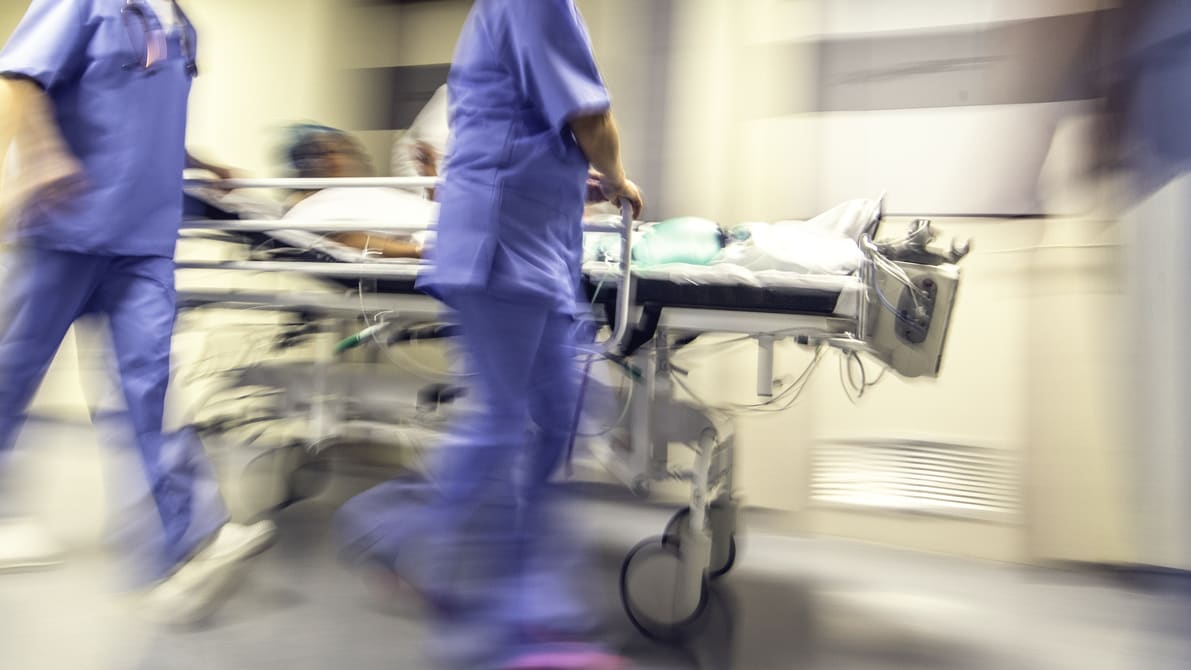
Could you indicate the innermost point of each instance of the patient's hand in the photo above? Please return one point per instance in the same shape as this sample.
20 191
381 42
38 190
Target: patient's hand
426 157
226 173
381 246
220 172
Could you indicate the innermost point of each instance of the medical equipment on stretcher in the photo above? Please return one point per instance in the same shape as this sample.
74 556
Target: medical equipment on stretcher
895 307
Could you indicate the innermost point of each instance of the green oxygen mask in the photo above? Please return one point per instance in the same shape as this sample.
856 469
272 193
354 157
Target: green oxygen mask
689 240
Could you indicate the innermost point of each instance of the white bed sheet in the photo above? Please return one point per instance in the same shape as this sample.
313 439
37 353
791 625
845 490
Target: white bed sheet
817 254
849 287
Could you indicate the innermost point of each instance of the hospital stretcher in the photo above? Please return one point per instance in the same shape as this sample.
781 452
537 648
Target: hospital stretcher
896 309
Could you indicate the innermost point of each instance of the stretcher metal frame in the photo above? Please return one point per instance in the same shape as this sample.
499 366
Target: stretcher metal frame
701 538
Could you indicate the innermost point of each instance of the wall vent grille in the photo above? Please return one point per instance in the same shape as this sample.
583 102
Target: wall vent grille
951 480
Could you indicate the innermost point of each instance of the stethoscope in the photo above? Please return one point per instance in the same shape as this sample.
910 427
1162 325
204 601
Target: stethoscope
135 13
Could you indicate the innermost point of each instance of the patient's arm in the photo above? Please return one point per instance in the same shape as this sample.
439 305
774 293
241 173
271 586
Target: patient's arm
385 247
427 159
193 163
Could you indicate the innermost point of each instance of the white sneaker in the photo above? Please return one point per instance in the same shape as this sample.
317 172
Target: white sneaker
239 542
24 545
195 591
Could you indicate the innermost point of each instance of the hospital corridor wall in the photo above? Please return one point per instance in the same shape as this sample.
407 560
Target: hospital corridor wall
736 120
764 122
719 103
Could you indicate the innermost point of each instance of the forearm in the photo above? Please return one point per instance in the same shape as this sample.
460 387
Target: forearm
385 247
27 115
30 136
599 139
13 105
195 163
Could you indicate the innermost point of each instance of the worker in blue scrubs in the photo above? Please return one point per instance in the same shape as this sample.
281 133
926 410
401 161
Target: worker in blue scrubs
530 117
1150 105
115 77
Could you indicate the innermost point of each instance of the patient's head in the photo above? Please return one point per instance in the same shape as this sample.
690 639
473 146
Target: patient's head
319 152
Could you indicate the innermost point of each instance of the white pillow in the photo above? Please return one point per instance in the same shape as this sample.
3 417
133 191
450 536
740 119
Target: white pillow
825 245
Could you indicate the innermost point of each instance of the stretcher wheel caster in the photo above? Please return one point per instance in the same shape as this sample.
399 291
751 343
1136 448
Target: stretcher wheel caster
673 533
650 583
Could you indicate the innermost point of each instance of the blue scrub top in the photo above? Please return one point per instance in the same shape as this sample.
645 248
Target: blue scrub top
512 202
1158 63
126 125
1164 22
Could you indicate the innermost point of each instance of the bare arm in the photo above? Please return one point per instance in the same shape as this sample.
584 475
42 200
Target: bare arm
12 108
427 159
29 134
387 247
193 163
599 139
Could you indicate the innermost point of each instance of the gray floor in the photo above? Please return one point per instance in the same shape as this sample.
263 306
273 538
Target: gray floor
793 603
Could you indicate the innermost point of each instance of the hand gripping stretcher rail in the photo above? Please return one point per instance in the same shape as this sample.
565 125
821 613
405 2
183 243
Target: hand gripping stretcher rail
896 308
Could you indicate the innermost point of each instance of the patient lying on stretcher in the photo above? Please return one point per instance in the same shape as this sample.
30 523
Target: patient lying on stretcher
824 245
318 152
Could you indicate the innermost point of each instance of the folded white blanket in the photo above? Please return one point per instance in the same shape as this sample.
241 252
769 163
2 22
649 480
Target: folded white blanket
825 245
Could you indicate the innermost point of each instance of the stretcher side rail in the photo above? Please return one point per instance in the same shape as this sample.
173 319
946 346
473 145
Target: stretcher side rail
620 332
343 226
315 184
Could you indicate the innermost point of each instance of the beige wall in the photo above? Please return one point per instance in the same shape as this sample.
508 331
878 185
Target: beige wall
264 64
269 63
1033 366
10 15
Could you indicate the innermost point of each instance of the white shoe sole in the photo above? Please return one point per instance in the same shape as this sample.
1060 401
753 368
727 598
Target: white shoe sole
195 606
261 543
192 609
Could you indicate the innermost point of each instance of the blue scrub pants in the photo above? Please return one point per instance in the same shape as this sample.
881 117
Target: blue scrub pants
45 292
484 540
